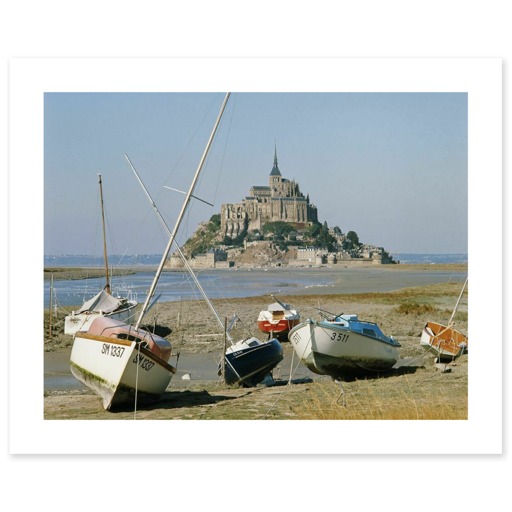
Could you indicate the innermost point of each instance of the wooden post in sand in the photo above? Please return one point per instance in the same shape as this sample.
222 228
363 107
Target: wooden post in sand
225 347
51 306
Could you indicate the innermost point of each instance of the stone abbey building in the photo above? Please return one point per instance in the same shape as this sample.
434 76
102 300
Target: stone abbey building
281 200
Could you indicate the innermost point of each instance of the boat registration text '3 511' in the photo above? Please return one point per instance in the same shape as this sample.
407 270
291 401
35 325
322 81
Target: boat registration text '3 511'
339 336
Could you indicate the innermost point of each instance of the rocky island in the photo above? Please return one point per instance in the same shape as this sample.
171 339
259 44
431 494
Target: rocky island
274 225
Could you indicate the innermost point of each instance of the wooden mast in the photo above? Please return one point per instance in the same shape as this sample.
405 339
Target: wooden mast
105 257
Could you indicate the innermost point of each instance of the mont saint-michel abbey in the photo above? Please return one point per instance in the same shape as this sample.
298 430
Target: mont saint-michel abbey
281 200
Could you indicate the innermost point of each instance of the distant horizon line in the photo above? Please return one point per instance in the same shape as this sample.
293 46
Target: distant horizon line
159 254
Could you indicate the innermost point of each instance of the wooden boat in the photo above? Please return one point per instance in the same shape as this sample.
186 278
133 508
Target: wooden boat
343 346
278 319
124 364
444 340
103 303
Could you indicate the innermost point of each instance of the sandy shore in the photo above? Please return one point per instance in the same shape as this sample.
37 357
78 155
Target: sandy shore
198 343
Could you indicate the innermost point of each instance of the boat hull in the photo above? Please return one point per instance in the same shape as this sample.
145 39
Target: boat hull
445 342
340 352
249 365
278 319
82 321
119 371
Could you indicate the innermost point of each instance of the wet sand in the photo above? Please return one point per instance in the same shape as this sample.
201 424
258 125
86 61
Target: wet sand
192 369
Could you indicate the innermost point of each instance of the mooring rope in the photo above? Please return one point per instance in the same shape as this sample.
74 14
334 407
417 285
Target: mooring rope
136 381
292 373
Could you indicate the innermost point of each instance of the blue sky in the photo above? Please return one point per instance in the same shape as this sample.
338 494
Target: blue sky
390 166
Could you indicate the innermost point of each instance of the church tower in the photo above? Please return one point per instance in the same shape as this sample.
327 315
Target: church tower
280 201
275 174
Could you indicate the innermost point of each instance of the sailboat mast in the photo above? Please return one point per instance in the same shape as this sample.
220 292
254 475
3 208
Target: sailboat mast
181 215
180 252
105 257
458 300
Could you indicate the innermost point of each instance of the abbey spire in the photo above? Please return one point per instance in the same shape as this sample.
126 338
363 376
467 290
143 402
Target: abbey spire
280 201
275 170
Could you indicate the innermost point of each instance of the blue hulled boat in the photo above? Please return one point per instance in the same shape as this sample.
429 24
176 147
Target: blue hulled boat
249 361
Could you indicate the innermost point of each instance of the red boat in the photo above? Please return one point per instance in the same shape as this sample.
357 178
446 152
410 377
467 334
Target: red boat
278 318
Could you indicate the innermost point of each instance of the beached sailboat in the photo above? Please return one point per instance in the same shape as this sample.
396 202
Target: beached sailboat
124 364
278 319
343 346
246 362
103 303
445 341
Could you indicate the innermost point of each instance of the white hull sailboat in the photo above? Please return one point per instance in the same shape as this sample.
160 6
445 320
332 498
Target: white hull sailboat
444 341
343 347
103 303
121 364
124 364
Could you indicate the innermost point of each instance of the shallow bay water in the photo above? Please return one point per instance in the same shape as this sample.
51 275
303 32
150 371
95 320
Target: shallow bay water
245 282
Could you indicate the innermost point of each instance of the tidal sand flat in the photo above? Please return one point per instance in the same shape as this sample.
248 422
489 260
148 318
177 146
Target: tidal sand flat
416 389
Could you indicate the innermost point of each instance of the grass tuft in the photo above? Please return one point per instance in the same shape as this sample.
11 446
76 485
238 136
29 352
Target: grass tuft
415 308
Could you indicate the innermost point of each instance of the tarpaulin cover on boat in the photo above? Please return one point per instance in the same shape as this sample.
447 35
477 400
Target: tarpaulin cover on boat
103 302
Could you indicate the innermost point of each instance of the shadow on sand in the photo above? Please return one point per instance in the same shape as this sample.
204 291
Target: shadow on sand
393 372
181 399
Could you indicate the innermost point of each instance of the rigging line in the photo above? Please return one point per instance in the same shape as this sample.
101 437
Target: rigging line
342 393
292 373
291 366
111 242
208 159
183 208
225 149
190 139
178 249
136 381
413 360
200 180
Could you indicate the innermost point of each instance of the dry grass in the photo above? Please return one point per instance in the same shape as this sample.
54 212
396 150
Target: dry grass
413 308
399 398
